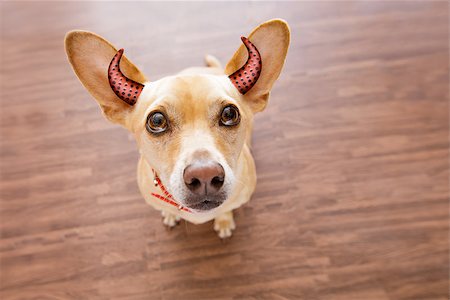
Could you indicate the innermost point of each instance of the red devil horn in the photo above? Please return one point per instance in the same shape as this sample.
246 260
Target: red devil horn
125 88
245 78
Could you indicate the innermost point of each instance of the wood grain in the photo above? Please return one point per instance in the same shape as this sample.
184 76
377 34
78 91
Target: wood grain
352 158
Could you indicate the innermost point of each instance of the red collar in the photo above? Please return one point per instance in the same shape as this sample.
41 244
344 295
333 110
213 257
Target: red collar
166 197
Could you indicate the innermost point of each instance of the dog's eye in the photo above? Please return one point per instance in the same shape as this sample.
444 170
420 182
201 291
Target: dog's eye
230 116
156 122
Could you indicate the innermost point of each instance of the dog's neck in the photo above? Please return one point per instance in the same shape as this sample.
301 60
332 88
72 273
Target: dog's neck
165 195
159 190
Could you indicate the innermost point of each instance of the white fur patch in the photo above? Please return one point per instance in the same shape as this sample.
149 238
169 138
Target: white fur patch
197 141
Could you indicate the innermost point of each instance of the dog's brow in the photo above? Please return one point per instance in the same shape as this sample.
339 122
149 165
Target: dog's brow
157 102
225 101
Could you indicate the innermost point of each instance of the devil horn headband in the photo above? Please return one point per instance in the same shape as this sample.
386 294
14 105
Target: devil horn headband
245 78
129 90
125 88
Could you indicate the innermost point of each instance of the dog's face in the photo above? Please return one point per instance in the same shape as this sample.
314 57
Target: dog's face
190 128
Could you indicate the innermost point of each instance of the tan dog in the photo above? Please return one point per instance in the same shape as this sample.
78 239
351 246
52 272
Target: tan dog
193 129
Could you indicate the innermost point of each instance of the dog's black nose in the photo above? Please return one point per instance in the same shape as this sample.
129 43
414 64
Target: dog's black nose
204 178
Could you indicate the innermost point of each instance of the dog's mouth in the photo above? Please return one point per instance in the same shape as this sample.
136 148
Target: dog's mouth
205 205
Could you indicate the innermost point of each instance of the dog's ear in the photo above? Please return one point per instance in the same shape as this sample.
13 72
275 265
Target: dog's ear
90 56
272 41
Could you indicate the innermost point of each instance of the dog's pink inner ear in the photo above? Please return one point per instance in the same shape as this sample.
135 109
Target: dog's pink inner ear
125 88
245 78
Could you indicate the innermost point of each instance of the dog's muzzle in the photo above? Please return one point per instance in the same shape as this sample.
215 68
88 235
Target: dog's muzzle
204 180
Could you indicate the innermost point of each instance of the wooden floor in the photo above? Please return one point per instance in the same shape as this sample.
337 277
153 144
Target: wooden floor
352 158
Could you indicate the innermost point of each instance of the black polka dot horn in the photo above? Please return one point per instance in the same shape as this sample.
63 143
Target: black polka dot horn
125 88
245 78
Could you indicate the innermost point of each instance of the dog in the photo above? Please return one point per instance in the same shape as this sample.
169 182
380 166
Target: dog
193 129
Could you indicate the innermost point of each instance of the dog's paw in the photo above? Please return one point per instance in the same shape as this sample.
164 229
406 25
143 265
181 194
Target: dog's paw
169 219
224 225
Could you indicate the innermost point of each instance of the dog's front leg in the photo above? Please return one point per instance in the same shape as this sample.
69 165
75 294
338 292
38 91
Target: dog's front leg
170 220
224 224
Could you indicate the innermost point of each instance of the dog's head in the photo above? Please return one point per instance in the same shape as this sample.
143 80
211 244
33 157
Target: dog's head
190 127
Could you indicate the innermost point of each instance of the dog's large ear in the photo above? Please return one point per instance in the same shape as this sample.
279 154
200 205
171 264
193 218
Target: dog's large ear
272 41
90 56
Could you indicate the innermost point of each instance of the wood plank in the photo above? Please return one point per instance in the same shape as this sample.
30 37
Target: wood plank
352 156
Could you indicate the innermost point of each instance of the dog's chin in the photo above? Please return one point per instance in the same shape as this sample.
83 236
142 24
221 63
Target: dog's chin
205 204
